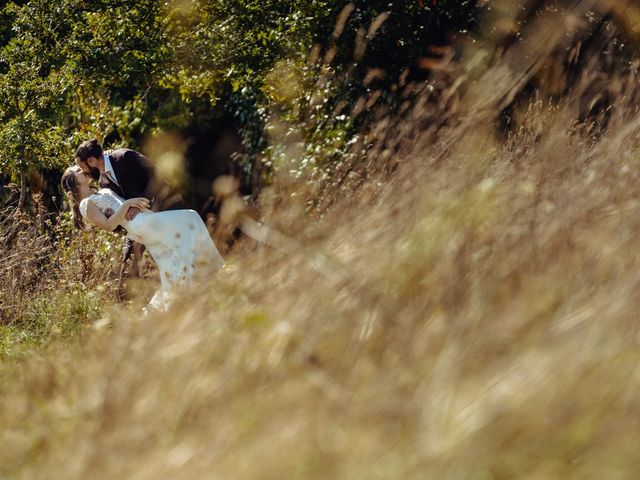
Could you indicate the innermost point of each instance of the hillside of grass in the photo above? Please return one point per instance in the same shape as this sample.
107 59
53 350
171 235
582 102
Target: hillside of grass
458 303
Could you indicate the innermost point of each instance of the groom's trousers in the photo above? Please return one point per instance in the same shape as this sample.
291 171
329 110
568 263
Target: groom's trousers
130 267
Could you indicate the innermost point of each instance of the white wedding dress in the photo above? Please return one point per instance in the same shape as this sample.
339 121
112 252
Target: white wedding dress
177 240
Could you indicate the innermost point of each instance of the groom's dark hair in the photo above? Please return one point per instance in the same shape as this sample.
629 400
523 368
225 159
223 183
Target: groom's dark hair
90 148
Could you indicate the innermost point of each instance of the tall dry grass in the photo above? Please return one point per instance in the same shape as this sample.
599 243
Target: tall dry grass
472 315
52 279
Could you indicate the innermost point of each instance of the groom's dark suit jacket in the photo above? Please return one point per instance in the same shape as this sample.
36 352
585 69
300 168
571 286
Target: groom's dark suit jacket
133 172
136 177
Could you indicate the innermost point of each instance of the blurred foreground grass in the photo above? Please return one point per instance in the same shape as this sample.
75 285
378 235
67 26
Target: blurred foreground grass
473 316
469 314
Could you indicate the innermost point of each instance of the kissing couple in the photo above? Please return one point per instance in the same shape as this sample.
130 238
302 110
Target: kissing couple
130 197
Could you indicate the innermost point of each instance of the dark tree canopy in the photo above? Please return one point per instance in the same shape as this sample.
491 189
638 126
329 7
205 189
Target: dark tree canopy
124 70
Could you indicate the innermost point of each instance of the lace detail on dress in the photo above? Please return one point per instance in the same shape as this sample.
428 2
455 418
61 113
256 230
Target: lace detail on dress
83 206
105 199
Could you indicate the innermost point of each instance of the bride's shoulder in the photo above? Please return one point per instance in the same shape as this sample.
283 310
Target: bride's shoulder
94 197
91 198
84 204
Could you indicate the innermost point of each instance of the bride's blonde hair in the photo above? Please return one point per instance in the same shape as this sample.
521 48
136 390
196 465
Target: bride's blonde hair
72 188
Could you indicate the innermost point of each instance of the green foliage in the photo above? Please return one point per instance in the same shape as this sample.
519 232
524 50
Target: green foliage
119 51
228 44
35 87
121 70
225 50
72 70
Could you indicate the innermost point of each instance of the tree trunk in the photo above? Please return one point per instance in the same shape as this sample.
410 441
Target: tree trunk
23 190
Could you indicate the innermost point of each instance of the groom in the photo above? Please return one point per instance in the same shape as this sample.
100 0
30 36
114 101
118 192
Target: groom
129 174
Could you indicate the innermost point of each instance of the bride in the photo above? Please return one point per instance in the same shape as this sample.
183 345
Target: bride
177 240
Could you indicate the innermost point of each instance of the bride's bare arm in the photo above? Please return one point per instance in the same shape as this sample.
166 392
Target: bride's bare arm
95 216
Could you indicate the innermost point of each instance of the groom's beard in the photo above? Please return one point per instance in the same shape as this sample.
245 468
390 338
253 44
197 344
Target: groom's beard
94 172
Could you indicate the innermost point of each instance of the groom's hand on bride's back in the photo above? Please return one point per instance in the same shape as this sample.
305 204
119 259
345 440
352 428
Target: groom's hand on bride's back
131 213
135 206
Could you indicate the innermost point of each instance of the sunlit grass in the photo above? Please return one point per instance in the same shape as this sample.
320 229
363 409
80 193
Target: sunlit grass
469 313
471 320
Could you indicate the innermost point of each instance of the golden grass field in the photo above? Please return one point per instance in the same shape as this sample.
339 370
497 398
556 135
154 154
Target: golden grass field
471 315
